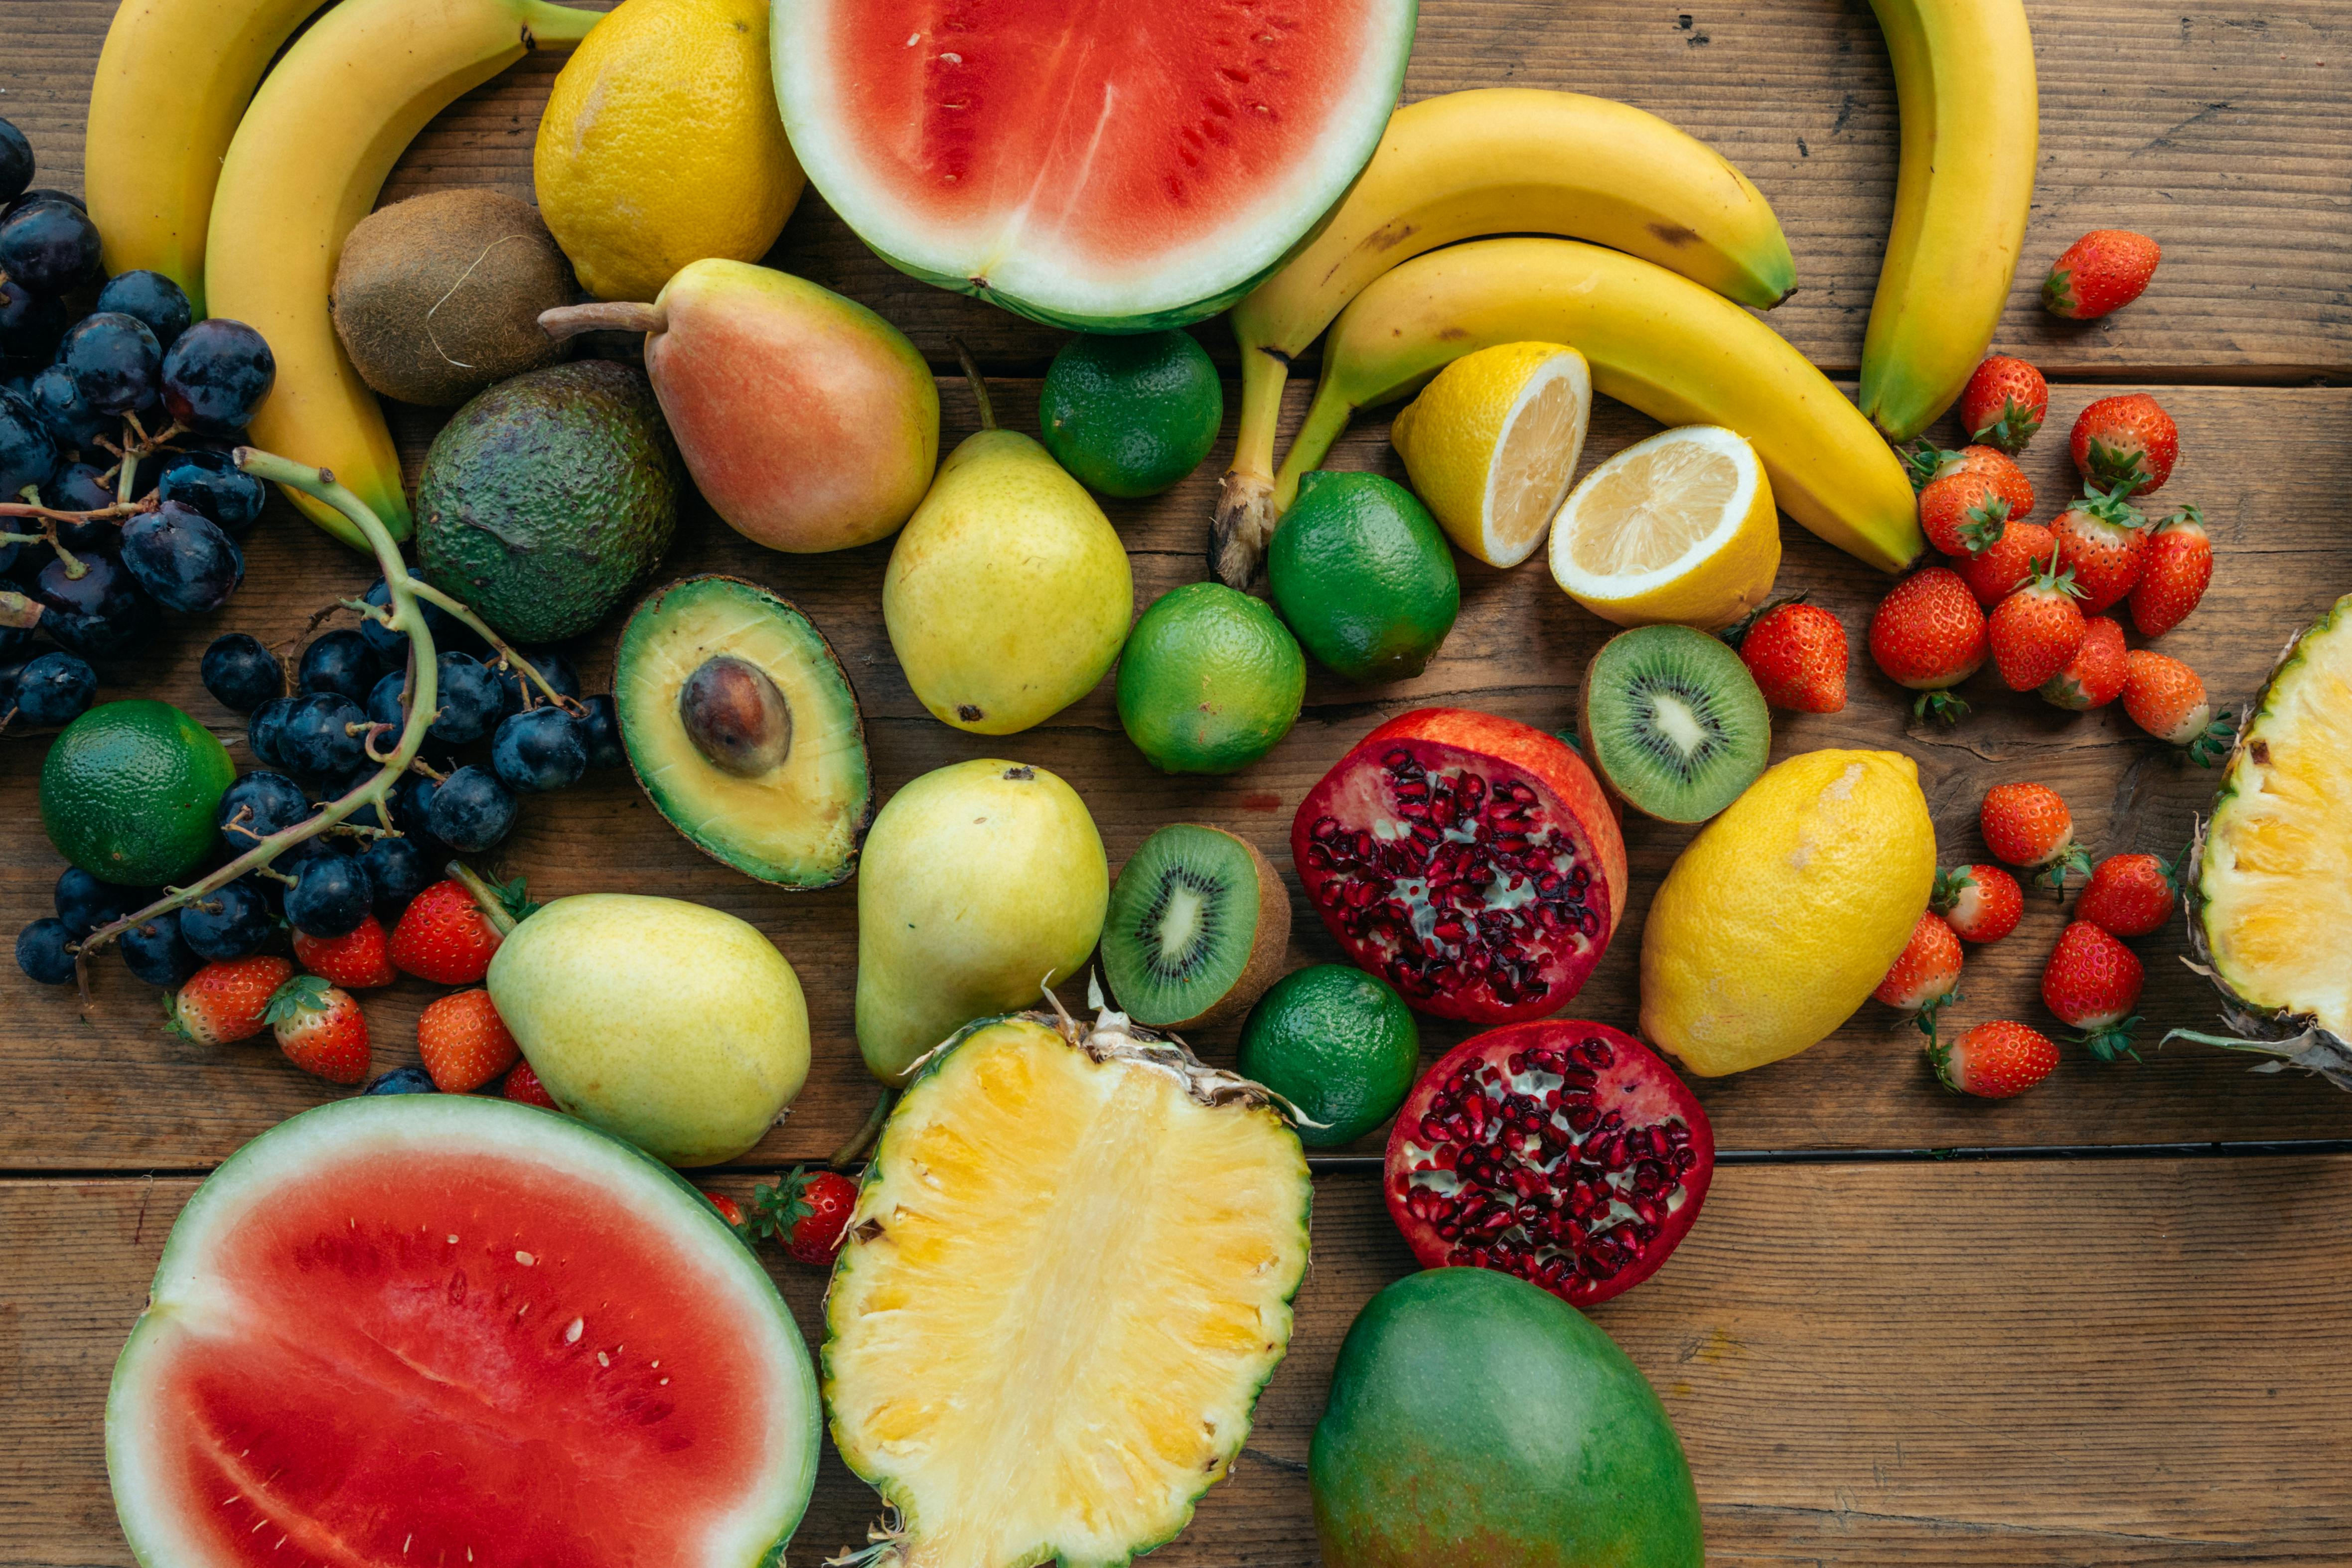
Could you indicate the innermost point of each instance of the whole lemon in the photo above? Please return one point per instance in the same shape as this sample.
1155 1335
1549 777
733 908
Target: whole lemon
1787 910
661 145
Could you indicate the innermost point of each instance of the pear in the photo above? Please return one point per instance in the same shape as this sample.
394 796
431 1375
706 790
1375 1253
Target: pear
808 422
1008 594
982 884
674 1026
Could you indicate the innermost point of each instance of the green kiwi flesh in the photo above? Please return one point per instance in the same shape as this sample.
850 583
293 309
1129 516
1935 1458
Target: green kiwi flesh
1673 722
1198 928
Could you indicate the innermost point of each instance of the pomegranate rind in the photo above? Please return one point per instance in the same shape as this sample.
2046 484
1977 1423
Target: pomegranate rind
1635 1086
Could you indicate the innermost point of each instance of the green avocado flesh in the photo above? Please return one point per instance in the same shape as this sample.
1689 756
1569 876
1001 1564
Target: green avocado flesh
549 496
1474 1418
743 730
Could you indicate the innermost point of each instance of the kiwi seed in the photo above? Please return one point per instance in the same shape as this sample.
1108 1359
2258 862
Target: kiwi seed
1673 722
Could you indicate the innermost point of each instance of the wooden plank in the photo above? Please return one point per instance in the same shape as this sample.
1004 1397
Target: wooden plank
2217 130
1954 1365
110 1091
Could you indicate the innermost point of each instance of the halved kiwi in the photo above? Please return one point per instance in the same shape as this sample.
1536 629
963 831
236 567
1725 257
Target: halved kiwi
1198 926
1673 722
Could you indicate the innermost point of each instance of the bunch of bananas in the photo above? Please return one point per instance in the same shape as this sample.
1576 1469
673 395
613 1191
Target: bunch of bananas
245 198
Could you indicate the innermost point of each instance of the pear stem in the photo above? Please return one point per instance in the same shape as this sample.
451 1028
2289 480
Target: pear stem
493 907
566 321
848 1153
979 385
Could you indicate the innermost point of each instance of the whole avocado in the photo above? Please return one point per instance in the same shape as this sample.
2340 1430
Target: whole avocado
1476 1419
547 498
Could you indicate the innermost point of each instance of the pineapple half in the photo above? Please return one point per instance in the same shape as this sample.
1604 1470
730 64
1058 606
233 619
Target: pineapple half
2270 916
1067 1277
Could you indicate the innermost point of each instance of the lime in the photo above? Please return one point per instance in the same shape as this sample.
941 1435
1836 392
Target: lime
1336 1043
131 791
1129 416
1209 681
1360 571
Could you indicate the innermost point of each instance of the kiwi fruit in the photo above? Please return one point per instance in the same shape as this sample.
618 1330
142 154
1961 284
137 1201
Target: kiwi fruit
1673 722
1198 927
438 296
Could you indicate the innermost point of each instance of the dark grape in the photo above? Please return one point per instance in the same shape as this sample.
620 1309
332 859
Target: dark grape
259 805
84 903
539 751
396 871
114 362
31 325
28 451
157 954
102 614
450 635
518 691
230 922
15 163
183 559
79 487
57 402
411 809
469 699
214 484
265 732
49 246
55 690
600 733
41 952
384 704
472 811
403 1081
329 896
340 661
240 673
153 298
42 194
12 678
217 375
317 743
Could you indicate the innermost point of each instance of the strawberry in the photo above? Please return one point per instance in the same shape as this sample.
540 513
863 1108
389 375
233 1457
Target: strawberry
2166 698
1797 652
1962 514
2007 563
2103 271
321 1028
2028 825
447 936
2093 982
2103 540
463 1042
1928 464
522 1084
729 1210
1994 1061
2126 441
357 961
2173 578
1979 903
2036 630
2129 896
224 1003
2094 677
2004 403
807 1212
1929 634
1923 978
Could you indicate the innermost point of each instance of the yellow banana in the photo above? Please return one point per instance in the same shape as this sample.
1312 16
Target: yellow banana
305 167
1964 82
173 81
1492 160
1678 352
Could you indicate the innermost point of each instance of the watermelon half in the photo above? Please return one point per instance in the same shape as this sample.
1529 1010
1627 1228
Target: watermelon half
438 1331
1110 165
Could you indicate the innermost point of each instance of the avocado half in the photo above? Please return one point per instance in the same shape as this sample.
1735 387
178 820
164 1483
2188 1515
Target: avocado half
742 729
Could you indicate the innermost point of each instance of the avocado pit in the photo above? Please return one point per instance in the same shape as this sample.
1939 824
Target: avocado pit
736 717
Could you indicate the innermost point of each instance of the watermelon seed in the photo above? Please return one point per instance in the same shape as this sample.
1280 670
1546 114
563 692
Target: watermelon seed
525 1258
404 1541
572 1334
453 1241
604 1360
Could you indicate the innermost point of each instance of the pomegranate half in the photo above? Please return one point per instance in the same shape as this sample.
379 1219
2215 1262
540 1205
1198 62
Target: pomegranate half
1564 1152
1470 861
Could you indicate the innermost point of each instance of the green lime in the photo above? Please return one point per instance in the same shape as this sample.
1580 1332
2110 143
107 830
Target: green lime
1336 1043
1209 680
1360 571
131 791
1129 416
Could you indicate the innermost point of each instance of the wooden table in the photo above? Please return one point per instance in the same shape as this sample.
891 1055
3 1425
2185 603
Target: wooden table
2096 1325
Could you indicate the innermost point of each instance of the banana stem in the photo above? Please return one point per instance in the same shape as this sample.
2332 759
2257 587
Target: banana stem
560 26
1265 372
1325 423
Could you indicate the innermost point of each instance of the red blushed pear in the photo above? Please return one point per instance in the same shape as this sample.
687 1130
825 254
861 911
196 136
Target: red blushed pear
808 422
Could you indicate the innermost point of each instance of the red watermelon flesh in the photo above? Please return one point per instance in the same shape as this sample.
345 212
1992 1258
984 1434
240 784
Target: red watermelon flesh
409 1345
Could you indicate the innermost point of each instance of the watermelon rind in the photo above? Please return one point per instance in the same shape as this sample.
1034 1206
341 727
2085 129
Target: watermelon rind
625 1177
1043 284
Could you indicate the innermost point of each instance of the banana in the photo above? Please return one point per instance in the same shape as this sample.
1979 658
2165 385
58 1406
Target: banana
1964 82
1680 353
1492 160
305 167
172 80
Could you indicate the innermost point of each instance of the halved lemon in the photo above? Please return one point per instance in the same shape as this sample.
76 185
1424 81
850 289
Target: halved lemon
1679 527
1492 444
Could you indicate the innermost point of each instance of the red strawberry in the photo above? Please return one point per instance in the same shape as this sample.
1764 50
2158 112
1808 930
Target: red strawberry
1924 973
356 961
2178 567
1929 634
2036 630
2004 403
320 1030
2102 539
523 1084
1928 464
2103 271
1994 1061
445 935
2028 825
2094 677
807 1212
2007 563
2093 982
2129 896
224 1003
1962 514
2126 441
1980 903
2166 698
1797 653
729 1210
463 1042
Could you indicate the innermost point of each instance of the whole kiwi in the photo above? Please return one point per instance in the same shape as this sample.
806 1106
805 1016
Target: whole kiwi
438 296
